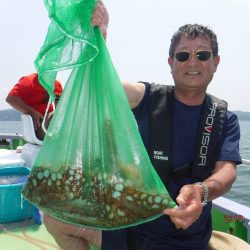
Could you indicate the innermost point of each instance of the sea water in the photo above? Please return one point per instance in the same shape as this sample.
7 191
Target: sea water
240 191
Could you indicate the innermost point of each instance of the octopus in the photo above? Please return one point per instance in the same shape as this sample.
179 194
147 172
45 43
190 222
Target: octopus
95 200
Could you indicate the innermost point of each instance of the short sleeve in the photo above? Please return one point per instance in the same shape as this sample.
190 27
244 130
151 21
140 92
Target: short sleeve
58 88
22 89
230 142
141 115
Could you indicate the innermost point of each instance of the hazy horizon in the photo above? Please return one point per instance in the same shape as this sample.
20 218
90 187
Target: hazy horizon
138 41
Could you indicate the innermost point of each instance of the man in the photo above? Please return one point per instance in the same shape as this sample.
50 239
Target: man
29 97
196 134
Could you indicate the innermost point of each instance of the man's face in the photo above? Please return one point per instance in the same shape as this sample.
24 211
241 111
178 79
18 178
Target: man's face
193 73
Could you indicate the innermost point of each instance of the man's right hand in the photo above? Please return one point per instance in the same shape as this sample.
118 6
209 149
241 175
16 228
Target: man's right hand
134 91
100 18
18 104
37 118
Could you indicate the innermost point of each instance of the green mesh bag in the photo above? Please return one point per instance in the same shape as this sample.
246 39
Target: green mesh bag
92 169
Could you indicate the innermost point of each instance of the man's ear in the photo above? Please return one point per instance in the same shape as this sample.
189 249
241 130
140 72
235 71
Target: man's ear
216 62
170 63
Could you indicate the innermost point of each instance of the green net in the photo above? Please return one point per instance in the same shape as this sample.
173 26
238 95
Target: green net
92 169
70 40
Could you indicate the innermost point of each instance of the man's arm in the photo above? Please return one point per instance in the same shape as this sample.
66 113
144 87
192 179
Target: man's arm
134 92
100 18
190 196
18 104
220 182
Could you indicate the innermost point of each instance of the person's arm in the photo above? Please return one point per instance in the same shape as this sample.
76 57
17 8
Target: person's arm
220 182
190 196
18 104
134 92
100 18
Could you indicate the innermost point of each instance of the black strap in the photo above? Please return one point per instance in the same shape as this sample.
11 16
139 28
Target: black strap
160 119
182 171
209 137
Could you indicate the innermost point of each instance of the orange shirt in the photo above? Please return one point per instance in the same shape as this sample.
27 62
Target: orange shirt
33 93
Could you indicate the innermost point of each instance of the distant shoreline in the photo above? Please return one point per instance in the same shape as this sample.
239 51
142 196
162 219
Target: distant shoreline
13 115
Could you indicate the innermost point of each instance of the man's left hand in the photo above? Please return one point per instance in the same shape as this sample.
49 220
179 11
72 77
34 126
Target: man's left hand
189 209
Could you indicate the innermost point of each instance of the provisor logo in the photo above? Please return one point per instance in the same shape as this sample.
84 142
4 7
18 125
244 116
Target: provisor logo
207 134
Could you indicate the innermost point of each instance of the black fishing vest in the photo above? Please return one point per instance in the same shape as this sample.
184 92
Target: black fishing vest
160 128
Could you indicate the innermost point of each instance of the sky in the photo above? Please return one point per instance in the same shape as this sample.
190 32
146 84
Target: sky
138 40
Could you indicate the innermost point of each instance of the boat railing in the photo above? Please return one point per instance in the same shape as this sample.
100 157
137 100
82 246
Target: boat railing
233 212
246 161
11 136
11 140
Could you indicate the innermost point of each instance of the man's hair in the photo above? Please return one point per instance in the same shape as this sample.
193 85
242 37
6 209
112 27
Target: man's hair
192 31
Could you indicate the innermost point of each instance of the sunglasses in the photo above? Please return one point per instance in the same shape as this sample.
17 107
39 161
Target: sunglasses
200 55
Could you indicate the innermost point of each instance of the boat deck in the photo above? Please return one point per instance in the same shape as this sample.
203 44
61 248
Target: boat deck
24 236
